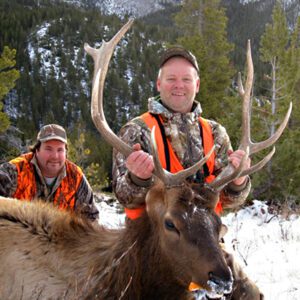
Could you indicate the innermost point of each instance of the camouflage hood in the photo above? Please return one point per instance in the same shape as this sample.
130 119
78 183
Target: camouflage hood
176 126
156 106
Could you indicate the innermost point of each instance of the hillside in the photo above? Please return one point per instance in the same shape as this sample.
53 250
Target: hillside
56 74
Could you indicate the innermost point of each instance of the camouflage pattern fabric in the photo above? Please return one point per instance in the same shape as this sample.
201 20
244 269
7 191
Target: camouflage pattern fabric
183 131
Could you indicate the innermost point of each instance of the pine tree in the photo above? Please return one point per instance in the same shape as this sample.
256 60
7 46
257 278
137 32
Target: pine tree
203 24
292 74
274 43
8 76
281 52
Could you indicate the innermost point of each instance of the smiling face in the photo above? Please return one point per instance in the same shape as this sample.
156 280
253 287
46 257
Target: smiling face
51 157
178 83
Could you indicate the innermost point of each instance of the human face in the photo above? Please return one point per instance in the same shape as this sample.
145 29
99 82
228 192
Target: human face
51 157
178 84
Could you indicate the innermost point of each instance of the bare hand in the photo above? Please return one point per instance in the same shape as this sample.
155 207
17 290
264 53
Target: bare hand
140 163
235 158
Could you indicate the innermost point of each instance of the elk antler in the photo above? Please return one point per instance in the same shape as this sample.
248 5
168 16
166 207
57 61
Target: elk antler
101 59
171 179
229 173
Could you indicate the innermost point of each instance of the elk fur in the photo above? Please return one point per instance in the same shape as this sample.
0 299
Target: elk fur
46 253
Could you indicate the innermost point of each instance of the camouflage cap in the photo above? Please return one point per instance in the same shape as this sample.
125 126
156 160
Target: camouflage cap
179 51
52 132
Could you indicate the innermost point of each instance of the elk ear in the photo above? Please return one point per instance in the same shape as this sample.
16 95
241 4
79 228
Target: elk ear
223 231
155 205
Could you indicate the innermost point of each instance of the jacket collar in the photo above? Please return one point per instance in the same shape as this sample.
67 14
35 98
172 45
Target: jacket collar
155 106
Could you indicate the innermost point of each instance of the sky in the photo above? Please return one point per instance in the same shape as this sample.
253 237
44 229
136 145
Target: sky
265 244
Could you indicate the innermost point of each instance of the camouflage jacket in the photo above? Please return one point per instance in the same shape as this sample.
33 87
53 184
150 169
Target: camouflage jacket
84 202
184 133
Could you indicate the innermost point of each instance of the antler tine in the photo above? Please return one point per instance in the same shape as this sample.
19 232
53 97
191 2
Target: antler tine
101 59
158 169
238 173
178 178
246 95
256 147
240 85
259 165
229 174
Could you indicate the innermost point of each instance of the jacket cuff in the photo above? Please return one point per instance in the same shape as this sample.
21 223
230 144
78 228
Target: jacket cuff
231 187
139 181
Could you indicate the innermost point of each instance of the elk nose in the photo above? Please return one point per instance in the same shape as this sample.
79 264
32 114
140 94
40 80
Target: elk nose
220 285
215 279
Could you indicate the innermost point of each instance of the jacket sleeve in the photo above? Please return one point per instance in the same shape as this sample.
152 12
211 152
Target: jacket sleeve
232 195
130 190
8 179
85 204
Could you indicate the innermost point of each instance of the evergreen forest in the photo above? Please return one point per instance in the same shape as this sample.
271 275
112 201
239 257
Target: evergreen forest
46 77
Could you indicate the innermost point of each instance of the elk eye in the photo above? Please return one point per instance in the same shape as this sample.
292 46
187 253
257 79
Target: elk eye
170 226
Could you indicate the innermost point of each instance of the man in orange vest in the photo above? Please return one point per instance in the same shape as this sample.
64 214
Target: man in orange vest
45 173
183 138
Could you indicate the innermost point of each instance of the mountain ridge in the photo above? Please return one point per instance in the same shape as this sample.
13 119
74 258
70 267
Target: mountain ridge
143 8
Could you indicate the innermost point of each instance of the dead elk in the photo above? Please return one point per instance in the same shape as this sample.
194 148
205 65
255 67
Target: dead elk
50 254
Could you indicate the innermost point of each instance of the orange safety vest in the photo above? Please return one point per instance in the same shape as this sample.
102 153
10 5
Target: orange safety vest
175 165
64 196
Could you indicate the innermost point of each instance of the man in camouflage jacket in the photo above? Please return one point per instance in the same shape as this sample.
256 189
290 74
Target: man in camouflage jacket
179 112
45 174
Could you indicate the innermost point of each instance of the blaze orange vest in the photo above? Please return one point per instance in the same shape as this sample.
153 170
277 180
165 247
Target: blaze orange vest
175 165
64 196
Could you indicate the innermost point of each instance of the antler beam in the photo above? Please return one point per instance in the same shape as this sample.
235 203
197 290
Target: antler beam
101 59
229 173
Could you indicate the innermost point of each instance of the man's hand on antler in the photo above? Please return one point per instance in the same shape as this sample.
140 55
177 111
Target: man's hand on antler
235 157
140 163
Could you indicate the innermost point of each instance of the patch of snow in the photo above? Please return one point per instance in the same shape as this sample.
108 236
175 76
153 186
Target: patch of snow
267 246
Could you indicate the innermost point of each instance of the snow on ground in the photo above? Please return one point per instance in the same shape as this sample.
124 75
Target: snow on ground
267 245
110 213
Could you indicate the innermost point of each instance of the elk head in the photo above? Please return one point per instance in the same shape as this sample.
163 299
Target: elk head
185 217
189 233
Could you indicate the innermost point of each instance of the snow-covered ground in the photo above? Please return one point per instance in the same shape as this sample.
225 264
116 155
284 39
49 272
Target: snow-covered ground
268 246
